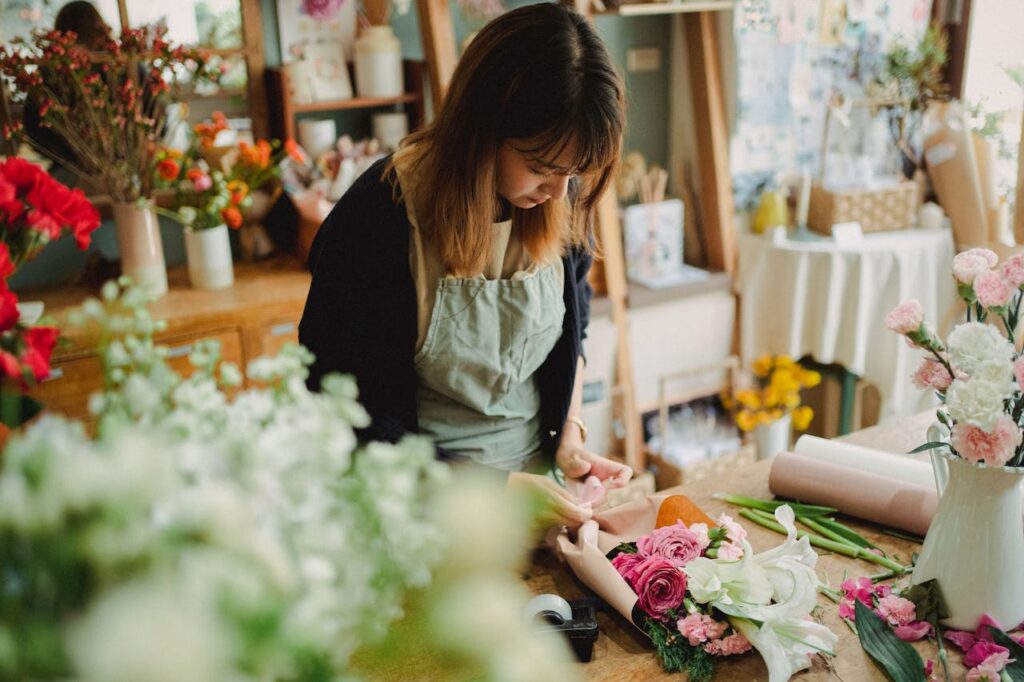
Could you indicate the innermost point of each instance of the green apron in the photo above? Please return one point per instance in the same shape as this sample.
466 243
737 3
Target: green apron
477 396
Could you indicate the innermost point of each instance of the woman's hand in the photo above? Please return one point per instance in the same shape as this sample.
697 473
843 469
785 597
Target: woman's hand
577 462
560 507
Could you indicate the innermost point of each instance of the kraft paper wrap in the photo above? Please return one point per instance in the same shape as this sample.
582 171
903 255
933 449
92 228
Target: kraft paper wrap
863 494
624 523
985 155
949 155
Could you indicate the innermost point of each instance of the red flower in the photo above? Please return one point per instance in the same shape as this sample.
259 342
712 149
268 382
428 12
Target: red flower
39 343
232 217
168 169
6 266
55 208
9 367
8 308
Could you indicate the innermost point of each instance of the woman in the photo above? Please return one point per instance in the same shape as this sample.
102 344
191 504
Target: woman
451 279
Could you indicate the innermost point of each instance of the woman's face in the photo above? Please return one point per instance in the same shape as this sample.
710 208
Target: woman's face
528 179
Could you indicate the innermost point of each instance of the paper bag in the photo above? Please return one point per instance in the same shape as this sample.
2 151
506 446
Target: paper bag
953 168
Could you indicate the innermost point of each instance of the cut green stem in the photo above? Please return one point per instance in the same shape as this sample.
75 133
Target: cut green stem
772 505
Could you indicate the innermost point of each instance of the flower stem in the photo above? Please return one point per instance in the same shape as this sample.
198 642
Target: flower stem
825 543
822 530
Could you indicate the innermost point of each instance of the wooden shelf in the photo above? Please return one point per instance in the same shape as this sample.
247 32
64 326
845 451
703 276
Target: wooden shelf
354 103
640 9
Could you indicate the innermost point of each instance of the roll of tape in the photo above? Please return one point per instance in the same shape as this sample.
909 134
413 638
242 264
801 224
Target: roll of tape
549 607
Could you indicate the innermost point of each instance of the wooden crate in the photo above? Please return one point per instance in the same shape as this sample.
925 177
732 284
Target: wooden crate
877 210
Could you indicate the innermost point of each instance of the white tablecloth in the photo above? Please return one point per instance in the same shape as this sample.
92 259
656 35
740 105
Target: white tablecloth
829 301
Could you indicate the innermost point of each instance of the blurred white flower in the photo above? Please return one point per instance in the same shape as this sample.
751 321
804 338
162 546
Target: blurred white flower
974 344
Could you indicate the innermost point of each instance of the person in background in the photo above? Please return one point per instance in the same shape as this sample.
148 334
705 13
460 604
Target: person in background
451 278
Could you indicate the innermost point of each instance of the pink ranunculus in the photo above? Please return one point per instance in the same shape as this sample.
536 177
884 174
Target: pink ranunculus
734 531
906 318
660 585
628 566
970 264
981 651
1018 371
932 374
698 628
675 543
734 644
703 539
991 290
896 610
911 632
994 448
1012 271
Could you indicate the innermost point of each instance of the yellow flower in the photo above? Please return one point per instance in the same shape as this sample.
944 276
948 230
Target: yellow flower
802 418
746 420
791 400
771 416
772 396
762 366
784 362
749 399
809 378
785 381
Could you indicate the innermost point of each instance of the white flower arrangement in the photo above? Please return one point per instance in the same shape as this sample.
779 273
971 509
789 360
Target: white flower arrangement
205 539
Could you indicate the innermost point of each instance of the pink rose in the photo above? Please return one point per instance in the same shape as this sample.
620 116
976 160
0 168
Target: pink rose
896 610
701 531
698 628
628 566
735 643
994 448
660 585
991 290
911 632
675 543
981 651
971 263
932 374
906 318
1013 271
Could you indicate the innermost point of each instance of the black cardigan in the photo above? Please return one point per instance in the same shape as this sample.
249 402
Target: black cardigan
360 316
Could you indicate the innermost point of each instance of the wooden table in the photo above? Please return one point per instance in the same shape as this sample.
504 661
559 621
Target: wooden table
622 654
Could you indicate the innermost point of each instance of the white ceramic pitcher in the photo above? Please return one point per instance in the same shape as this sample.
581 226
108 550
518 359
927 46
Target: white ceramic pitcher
975 544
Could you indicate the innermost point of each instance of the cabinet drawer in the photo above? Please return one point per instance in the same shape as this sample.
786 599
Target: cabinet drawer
69 386
275 335
179 348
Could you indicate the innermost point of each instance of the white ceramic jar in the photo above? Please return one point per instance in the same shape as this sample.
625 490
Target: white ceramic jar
378 60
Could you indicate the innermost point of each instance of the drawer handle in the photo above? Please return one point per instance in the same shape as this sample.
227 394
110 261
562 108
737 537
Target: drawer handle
55 373
282 329
179 351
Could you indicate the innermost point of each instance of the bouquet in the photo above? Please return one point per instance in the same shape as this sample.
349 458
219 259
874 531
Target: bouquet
978 372
779 382
111 107
696 588
34 210
213 185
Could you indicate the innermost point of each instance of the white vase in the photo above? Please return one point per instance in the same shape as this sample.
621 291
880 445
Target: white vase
773 438
142 251
975 543
209 258
378 60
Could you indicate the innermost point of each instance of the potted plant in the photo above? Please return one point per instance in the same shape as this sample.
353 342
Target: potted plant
111 108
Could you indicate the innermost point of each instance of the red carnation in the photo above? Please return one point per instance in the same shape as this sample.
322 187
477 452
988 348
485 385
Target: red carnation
6 266
39 343
8 308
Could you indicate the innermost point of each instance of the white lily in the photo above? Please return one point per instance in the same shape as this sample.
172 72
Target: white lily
786 645
790 568
724 583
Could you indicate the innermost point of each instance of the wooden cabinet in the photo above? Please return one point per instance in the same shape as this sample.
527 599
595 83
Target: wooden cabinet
255 317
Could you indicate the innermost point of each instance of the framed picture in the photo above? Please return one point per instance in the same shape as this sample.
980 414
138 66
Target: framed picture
326 72
297 30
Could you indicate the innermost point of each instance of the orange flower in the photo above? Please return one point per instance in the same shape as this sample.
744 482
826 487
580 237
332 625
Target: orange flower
294 151
168 169
207 132
239 191
257 155
232 217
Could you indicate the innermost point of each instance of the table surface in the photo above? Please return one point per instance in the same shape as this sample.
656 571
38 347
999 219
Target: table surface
622 654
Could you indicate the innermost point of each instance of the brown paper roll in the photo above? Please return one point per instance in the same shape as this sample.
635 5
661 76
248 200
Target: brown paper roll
861 494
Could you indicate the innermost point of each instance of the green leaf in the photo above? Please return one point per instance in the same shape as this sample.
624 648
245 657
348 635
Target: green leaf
846 532
928 446
799 509
621 548
1015 668
898 660
928 601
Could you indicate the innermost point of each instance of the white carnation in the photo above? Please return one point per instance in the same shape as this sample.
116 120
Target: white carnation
975 402
974 344
1000 374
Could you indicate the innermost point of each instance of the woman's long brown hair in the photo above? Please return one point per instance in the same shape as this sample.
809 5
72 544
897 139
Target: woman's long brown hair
537 74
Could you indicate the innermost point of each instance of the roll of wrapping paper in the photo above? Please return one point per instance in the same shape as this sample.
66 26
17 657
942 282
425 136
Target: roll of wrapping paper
850 456
862 494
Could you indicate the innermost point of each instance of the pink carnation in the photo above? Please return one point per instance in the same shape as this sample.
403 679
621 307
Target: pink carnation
858 588
698 628
896 610
735 643
906 318
660 585
735 532
989 669
730 551
1012 271
981 651
991 290
628 566
971 263
932 374
994 448
701 531
675 543
911 632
